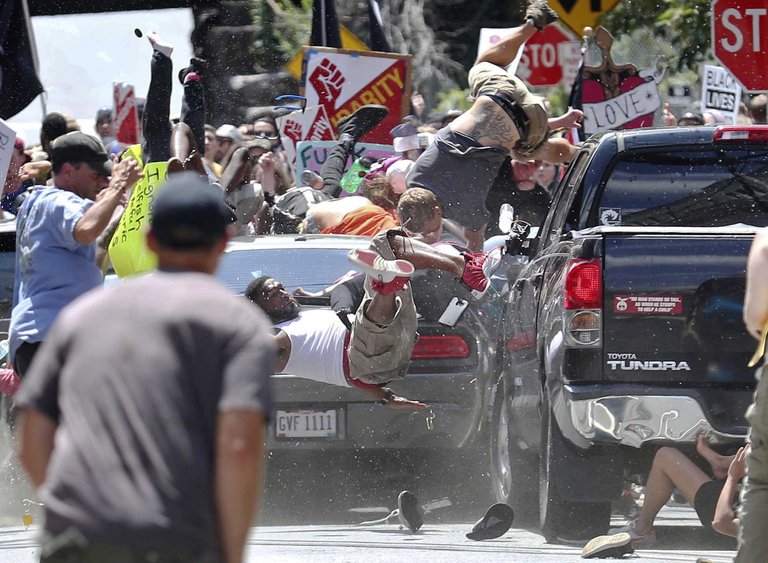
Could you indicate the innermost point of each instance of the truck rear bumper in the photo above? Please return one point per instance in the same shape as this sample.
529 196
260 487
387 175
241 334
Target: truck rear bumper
635 419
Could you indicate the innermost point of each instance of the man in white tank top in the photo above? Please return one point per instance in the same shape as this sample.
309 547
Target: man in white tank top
316 344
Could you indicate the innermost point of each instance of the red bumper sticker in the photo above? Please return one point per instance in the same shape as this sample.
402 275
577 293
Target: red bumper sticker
648 304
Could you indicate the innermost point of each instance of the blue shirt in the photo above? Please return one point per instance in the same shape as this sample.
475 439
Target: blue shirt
52 268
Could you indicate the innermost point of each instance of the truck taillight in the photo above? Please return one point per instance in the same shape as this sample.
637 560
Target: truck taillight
584 285
433 347
754 133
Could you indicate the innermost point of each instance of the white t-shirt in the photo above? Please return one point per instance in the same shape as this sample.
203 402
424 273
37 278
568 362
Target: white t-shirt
317 346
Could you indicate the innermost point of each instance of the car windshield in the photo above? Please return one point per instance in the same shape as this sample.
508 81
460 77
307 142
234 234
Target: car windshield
700 188
310 268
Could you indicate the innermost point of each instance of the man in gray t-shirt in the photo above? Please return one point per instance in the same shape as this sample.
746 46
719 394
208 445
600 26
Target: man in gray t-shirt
144 413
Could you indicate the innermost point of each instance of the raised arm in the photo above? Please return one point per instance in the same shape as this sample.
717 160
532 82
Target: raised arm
756 297
726 522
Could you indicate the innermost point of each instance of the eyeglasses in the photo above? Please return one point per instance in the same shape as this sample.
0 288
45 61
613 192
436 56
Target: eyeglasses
265 135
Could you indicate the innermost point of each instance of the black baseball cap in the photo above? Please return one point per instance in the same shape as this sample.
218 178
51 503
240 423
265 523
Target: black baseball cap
189 213
79 147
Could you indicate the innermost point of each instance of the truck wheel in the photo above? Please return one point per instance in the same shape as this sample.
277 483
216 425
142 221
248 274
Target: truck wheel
560 518
513 471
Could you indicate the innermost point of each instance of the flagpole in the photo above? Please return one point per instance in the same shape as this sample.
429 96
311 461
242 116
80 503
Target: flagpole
324 30
33 50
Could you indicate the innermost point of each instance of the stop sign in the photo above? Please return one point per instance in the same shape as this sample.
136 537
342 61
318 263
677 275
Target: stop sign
740 40
540 64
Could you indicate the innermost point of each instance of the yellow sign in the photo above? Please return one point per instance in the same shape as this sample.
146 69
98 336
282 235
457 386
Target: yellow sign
348 41
128 248
578 14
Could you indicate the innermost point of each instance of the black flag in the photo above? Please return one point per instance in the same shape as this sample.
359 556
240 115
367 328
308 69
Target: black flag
575 135
378 39
19 84
325 25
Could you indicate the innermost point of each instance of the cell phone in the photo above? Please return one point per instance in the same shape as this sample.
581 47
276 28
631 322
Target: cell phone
453 312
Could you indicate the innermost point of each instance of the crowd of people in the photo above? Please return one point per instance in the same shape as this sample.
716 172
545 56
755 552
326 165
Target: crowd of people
145 466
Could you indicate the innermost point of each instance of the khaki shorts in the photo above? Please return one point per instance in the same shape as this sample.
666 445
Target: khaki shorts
487 76
753 536
380 354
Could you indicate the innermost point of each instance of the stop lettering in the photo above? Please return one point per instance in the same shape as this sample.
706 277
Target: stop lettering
740 40
541 58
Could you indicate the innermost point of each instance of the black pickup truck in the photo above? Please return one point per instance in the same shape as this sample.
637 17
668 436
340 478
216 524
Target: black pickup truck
623 331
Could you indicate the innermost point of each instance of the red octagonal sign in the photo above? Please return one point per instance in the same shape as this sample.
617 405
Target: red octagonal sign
541 57
740 40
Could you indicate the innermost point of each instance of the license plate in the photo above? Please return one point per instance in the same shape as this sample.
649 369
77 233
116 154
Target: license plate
307 423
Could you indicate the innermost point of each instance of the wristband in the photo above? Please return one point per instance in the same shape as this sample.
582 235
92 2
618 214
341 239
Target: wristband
388 396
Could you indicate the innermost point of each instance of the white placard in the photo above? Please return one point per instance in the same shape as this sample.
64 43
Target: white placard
720 91
570 60
489 36
7 142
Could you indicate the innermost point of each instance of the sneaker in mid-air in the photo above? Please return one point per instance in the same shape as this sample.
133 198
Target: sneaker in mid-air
478 270
387 276
540 13
362 121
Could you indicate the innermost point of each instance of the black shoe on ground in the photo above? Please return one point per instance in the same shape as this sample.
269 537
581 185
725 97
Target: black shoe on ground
361 121
195 65
614 546
540 13
409 512
494 524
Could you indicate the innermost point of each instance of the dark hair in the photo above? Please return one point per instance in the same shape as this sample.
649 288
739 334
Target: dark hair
54 125
256 288
378 189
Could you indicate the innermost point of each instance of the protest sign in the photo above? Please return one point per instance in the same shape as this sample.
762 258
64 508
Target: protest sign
310 155
336 82
720 91
617 96
7 142
126 114
128 250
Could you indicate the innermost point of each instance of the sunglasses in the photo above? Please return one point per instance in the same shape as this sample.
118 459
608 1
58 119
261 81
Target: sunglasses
265 135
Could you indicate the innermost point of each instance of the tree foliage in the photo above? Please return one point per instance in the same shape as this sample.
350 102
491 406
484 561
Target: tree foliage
684 24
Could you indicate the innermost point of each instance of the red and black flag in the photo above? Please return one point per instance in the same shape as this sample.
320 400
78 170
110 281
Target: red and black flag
325 25
19 84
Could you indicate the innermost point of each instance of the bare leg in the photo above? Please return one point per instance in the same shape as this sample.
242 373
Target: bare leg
505 51
184 148
381 309
718 463
671 469
424 256
238 170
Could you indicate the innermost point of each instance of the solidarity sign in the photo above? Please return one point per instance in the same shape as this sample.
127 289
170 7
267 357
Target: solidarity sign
336 82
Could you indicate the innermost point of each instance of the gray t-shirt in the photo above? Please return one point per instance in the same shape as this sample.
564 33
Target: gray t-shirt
135 376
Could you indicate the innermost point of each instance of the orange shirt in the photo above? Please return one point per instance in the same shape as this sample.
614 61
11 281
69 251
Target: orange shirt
367 221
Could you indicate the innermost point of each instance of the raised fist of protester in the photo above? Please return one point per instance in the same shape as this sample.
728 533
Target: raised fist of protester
125 174
327 81
267 162
293 130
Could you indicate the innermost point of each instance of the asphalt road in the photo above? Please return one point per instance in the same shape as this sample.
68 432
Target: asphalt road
314 504
678 540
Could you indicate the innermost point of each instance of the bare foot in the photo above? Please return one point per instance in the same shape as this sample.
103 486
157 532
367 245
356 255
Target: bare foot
717 462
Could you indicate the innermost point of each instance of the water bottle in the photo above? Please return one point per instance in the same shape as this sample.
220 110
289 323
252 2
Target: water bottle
506 217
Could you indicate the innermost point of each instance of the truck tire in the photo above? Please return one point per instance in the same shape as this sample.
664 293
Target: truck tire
513 471
559 518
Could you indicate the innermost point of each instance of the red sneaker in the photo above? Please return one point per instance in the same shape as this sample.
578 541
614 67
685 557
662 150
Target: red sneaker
387 276
478 270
